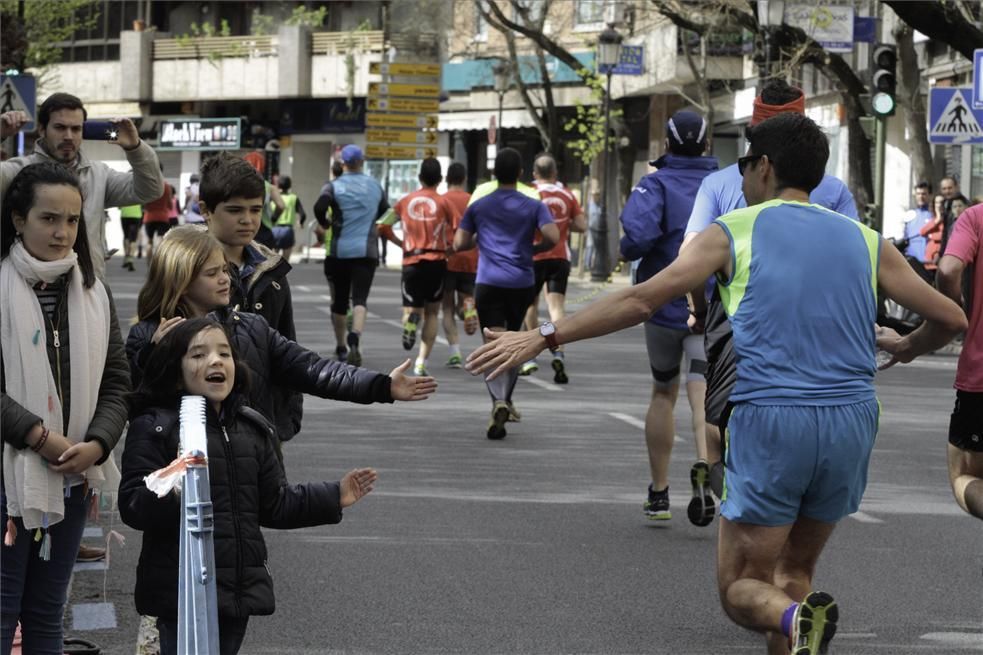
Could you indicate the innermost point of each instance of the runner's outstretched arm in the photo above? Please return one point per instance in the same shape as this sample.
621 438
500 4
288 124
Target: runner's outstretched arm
709 253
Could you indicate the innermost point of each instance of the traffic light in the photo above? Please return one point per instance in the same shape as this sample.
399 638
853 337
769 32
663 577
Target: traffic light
884 79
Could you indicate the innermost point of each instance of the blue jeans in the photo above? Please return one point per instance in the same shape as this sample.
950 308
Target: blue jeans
231 633
34 591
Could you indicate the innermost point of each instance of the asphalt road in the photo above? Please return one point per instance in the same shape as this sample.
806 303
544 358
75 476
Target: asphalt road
537 543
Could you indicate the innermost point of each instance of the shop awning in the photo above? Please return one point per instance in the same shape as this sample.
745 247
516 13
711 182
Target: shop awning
479 120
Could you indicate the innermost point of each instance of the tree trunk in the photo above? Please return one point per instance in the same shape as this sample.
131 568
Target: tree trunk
913 102
860 180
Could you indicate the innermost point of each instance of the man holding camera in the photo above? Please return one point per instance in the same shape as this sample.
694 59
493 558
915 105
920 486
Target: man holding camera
60 125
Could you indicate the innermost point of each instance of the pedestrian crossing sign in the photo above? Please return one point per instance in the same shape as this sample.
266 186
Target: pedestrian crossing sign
952 118
19 92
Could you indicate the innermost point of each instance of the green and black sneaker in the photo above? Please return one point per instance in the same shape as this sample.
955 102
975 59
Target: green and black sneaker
701 508
814 624
409 330
657 505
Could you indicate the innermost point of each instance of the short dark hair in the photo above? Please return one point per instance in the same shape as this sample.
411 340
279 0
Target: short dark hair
337 168
797 148
57 102
544 166
924 185
284 183
954 179
456 173
779 92
508 166
161 383
226 176
430 174
20 198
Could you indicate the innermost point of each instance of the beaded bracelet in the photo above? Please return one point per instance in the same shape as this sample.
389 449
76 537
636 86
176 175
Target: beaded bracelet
40 444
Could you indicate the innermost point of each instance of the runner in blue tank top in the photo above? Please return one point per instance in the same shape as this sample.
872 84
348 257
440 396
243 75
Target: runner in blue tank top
798 282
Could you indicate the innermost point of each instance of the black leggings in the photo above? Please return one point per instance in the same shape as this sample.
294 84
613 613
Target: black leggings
501 306
349 278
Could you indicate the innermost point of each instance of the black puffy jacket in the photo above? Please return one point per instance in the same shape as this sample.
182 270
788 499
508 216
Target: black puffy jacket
248 490
274 361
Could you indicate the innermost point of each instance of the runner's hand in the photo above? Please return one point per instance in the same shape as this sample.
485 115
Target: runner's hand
11 122
891 342
127 137
504 350
410 387
356 484
165 327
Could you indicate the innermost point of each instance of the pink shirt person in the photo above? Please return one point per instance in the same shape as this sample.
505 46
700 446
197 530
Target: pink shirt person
966 243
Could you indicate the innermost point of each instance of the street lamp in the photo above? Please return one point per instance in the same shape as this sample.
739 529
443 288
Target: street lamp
503 78
608 54
771 13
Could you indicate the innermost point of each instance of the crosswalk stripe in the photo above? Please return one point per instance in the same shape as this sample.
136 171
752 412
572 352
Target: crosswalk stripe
636 423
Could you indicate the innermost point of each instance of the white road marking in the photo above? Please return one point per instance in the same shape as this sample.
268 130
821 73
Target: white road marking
549 386
864 517
636 423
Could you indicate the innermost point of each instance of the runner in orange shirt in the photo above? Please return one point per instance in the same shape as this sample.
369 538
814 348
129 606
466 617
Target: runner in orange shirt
428 226
553 266
461 270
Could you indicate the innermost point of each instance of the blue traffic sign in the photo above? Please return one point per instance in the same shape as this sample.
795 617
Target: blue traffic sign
952 118
19 92
631 61
978 78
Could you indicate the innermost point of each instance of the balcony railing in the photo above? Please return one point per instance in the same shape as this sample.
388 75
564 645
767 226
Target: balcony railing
216 46
333 43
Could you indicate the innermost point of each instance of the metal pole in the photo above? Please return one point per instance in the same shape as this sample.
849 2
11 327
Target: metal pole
602 260
880 137
501 132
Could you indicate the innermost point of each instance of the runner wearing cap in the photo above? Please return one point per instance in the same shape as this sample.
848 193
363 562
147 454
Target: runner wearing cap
355 201
654 219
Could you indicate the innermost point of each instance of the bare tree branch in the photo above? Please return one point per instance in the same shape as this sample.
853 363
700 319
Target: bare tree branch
944 21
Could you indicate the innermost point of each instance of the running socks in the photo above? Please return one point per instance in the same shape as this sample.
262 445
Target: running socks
455 349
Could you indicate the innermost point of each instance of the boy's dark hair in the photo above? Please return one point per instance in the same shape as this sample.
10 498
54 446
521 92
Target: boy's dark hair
226 176
284 183
797 148
337 169
163 378
456 174
545 166
778 92
508 166
430 172
924 185
20 198
57 102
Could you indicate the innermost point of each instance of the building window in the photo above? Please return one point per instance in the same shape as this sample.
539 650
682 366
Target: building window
100 42
480 24
533 10
589 14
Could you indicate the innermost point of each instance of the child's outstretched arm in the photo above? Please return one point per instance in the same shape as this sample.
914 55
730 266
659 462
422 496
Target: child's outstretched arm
356 484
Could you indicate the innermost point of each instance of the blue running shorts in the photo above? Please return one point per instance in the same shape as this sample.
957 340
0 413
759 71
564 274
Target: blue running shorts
783 461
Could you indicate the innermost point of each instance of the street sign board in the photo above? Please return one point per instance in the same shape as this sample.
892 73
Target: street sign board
200 134
377 89
416 105
631 61
951 117
378 135
373 151
978 78
426 121
19 93
425 70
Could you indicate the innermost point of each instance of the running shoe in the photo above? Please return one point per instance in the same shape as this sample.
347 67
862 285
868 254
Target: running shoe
514 415
559 371
499 415
701 508
529 367
419 370
455 361
341 354
657 505
814 624
409 330
354 353
470 316
90 554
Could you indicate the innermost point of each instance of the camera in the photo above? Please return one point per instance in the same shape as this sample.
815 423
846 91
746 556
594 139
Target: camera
99 131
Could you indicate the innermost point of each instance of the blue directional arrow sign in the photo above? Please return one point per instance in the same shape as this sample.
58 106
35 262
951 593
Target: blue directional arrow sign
951 117
19 92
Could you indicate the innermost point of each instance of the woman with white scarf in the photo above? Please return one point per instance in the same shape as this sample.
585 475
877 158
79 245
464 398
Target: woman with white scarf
64 381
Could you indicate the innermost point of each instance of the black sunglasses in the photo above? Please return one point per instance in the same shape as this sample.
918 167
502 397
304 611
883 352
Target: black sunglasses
742 162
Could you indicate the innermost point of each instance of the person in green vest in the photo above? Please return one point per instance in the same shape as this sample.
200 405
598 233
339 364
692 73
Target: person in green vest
283 231
131 217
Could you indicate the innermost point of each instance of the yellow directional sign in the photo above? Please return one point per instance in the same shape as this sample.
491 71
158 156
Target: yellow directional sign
428 122
380 68
377 89
415 105
398 152
399 136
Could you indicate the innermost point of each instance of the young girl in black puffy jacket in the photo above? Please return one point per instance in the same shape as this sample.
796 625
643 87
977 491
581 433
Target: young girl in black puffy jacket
248 489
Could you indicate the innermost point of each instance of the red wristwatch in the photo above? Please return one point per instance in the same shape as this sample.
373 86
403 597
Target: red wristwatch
548 331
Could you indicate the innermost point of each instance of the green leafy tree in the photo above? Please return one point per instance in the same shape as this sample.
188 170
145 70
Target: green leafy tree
587 126
33 30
